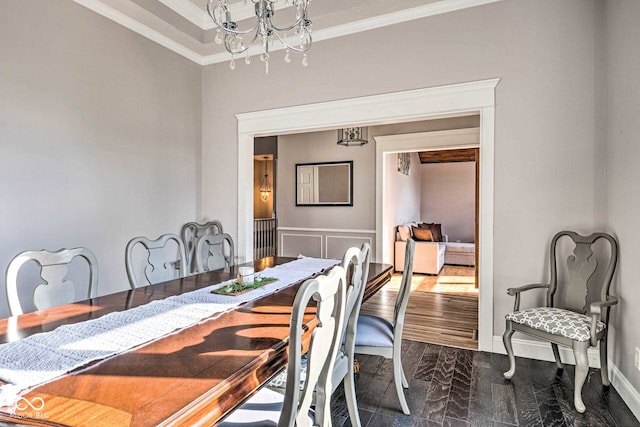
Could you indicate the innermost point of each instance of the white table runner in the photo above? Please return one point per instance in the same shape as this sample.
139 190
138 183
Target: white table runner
43 357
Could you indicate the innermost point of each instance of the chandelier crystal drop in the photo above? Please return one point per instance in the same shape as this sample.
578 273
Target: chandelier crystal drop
263 33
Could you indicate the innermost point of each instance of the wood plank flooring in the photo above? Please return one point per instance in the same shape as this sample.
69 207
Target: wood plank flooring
458 387
449 318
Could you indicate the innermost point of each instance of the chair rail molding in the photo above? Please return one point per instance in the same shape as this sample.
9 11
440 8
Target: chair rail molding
327 230
395 107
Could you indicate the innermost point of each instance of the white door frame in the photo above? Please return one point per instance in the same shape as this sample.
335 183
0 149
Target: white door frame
374 110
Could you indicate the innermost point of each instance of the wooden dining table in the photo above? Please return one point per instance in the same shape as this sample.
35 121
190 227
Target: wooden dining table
194 376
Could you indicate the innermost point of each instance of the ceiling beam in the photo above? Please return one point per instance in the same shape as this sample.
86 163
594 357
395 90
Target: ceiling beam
447 156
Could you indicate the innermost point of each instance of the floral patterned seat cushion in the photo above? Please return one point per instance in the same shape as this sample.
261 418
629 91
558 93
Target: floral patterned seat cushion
556 321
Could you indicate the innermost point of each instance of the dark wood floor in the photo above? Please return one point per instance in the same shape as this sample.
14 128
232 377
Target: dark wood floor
457 387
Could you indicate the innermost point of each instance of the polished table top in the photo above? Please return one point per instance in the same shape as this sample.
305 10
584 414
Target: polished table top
192 377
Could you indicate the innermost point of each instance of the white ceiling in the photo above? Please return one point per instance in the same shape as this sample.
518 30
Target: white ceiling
185 27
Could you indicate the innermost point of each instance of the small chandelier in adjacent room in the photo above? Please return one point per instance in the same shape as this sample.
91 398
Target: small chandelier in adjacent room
265 188
352 137
263 33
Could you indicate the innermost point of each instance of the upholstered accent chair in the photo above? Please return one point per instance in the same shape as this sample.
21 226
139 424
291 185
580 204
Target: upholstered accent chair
576 309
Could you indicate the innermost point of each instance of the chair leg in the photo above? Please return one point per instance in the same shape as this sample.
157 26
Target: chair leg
582 368
397 379
506 339
350 395
556 355
405 384
398 376
604 364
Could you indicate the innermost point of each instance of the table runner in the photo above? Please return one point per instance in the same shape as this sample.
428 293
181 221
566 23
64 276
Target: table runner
43 357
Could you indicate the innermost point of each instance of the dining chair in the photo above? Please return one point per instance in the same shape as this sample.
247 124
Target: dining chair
579 316
190 234
211 254
380 337
158 268
294 408
355 263
57 288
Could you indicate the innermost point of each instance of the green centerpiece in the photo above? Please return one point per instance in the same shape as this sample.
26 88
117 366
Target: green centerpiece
236 288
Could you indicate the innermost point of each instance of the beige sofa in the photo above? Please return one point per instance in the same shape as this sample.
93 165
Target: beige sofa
428 257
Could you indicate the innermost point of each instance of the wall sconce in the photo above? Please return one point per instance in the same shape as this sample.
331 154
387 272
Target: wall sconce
265 188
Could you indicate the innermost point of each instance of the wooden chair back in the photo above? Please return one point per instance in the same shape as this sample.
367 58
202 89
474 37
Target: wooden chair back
57 289
330 296
211 254
576 289
400 307
191 232
158 268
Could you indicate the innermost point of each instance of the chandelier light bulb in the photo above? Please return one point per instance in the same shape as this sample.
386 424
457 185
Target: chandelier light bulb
232 64
287 57
305 60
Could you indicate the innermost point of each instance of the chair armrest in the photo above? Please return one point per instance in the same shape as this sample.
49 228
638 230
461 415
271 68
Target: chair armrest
445 237
596 307
518 290
596 313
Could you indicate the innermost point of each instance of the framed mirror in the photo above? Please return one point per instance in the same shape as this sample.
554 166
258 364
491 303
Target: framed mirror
324 184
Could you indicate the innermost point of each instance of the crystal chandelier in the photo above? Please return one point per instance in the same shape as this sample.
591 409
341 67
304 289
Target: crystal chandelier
263 33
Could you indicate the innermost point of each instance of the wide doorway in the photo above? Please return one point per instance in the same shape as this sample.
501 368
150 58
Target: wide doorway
396 107
437 190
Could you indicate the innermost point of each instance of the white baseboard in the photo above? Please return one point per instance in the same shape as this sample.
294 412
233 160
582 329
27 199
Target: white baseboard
624 388
542 351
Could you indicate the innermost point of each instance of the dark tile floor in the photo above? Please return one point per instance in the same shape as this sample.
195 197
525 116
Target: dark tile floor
456 387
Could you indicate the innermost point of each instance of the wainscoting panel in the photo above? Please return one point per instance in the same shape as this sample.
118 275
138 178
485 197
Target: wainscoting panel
336 246
321 242
300 244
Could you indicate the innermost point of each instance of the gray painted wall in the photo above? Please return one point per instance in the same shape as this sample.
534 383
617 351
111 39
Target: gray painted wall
402 195
100 134
448 197
100 128
322 147
544 53
623 175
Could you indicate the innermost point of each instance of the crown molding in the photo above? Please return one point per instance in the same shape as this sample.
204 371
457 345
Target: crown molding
190 12
405 15
432 9
126 21
239 11
200 18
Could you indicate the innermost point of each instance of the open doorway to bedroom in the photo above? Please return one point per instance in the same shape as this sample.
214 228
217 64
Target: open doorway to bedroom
434 200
